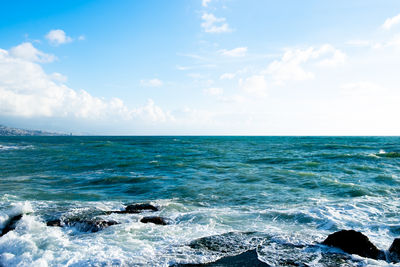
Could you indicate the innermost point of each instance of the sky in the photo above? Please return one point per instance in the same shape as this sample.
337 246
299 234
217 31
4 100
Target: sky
201 67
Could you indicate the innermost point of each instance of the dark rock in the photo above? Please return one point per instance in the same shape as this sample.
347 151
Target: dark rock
95 226
54 223
394 251
83 225
137 208
154 219
140 207
231 242
248 258
11 224
354 242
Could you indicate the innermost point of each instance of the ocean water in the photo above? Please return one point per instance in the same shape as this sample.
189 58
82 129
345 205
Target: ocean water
280 195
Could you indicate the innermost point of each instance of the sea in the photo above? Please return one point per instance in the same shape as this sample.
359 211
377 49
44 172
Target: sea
221 196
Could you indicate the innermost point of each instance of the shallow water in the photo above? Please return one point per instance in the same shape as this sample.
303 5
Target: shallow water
289 190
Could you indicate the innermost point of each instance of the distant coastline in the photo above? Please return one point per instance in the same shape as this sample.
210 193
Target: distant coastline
9 131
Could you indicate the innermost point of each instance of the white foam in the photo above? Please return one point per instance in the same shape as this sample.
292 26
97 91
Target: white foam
14 147
33 243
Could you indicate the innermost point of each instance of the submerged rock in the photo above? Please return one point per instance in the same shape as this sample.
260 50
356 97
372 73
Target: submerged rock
231 242
83 225
154 219
11 224
394 251
137 208
248 258
354 242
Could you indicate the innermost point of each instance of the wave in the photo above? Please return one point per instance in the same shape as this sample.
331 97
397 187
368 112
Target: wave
385 154
15 147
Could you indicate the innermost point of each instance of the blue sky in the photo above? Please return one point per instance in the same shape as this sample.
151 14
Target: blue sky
201 67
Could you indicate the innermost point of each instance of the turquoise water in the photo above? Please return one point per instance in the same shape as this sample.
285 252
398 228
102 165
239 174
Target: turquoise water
293 189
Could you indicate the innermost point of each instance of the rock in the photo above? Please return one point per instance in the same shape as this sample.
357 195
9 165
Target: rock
95 226
83 225
154 219
354 242
394 251
248 258
11 224
230 242
54 223
137 208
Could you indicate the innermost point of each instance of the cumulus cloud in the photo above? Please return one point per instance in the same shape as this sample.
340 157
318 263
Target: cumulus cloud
236 52
27 51
390 22
205 3
58 77
212 24
26 90
291 66
153 113
57 37
151 83
214 91
255 85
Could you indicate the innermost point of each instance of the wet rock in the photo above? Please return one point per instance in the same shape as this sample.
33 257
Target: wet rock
83 225
11 224
154 219
394 251
94 226
354 242
231 242
54 223
248 258
137 208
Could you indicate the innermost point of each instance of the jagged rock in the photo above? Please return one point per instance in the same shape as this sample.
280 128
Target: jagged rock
394 251
11 224
137 208
154 219
354 242
83 225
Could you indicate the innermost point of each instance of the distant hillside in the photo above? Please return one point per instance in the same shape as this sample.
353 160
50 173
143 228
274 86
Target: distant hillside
8 131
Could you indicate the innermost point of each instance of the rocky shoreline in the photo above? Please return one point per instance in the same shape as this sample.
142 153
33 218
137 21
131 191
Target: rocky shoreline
229 246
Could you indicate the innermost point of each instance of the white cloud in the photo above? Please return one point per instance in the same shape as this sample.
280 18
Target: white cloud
205 3
329 56
27 91
390 22
81 38
153 113
151 83
58 77
227 76
363 88
27 51
212 24
236 52
359 43
57 37
195 75
214 91
254 85
291 66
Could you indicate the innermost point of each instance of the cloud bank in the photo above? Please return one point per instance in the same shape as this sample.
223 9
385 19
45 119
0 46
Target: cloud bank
26 90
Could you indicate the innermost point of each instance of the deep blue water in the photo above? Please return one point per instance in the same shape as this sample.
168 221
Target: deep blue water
294 189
